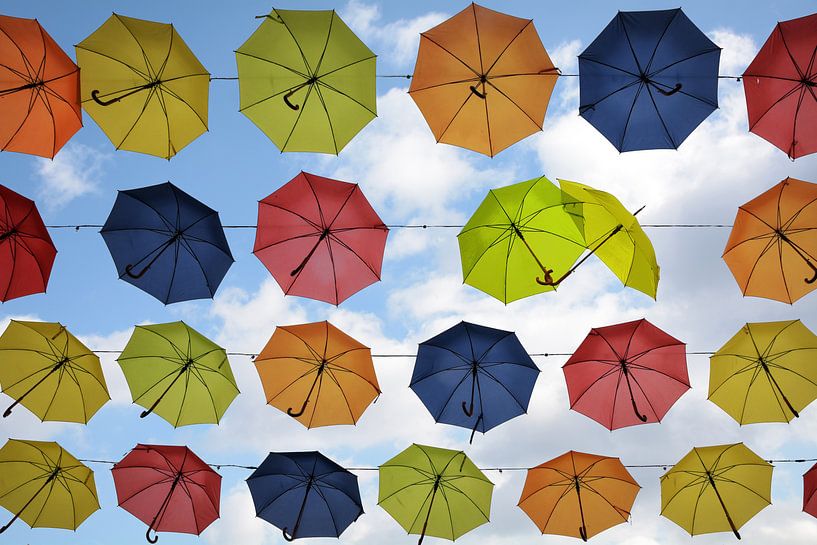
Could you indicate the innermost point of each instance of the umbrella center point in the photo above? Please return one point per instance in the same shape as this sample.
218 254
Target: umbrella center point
10 233
483 78
644 78
624 363
312 81
808 82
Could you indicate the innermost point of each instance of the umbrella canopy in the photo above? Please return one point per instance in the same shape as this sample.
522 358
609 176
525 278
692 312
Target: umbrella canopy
578 494
305 494
765 373
317 374
168 488
473 376
43 485
320 238
166 243
143 86
781 88
39 90
307 81
50 372
810 491
716 489
26 250
483 80
772 250
435 491
626 374
648 80
178 373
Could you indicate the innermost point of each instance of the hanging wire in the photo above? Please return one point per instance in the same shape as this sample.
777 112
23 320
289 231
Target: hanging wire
77 227
253 355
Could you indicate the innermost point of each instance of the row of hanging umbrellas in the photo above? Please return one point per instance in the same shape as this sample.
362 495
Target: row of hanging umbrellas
482 81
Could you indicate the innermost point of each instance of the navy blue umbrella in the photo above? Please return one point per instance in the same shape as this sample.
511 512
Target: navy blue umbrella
648 79
473 376
167 243
305 494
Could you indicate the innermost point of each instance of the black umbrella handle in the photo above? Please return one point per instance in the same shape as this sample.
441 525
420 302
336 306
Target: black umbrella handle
473 432
292 536
430 505
161 510
474 90
95 93
296 414
325 233
583 527
723 505
50 478
295 107
640 416
803 256
161 249
149 410
670 92
59 364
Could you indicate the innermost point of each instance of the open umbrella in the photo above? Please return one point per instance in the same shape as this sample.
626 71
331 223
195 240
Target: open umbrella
43 485
305 494
39 90
483 80
716 489
435 491
781 88
320 238
626 374
306 80
772 248
50 372
143 86
648 80
810 491
317 374
166 243
578 494
765 373
473 376
168 488
176 372
26 250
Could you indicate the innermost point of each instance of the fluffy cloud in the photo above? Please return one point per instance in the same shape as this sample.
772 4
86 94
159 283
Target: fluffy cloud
73 172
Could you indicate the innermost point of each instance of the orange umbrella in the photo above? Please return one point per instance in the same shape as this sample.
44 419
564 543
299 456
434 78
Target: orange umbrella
317 374
772 249
483 80
578 494
39 90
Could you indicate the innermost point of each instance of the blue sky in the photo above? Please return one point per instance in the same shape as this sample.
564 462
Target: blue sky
410 179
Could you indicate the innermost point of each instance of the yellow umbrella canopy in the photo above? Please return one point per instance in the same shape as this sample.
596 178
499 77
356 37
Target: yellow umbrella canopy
143 86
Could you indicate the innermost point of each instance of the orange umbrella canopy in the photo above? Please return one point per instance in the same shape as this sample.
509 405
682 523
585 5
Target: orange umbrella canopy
772 249
578 494
39 90
483 80
317 374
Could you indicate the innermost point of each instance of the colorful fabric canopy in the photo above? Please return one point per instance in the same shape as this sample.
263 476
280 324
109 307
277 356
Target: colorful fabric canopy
810 491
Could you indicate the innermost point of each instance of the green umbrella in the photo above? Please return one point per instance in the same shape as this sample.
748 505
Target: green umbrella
307 81
435 491
176 372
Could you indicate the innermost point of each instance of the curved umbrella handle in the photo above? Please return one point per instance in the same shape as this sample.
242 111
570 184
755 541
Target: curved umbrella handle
153 539
583 533
294 414
548 281
671 91
813 278
140 274
287 536
474 90
295 107
469 411
95 96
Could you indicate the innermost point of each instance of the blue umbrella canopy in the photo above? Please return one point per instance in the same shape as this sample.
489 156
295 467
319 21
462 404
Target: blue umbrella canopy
165 242
648 80
305 494
473 376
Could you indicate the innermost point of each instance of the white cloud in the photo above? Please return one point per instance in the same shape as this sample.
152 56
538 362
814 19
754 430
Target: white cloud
73 172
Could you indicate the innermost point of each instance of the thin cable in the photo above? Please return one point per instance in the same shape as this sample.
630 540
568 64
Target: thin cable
77 227
402 76
223 78
254 355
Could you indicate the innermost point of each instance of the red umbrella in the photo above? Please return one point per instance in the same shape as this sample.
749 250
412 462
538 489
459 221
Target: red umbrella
626 374
168 488
26 250
320 238
810 491
781 87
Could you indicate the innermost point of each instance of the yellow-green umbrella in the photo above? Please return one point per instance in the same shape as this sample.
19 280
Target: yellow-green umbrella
143 86
51 373
42 484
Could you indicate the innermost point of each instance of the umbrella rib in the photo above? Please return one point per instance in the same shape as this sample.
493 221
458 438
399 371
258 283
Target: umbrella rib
256 57
196 373
320 83
630 113
518 107
22 123
334 379
632 49
606 65
618 511
269 503
349 248
510 43
301 110
492 377
661 118
438 85
145 76
424 481
724 479
424 35
328 117
346 66
454 117
658 42
788 52
165 90
596 381
321 495
300 216
783 97
183 243
337 369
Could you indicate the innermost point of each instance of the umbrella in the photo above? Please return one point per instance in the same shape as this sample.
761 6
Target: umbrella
39 90
320 238
626 374
781 88
765 373
578 494
176 372
318 374
167 243
143 86
648 79
305 494
483 80
772 250
306 80
168 488
810 491
716 489
435 491
473 376
43 485
26 250
50 372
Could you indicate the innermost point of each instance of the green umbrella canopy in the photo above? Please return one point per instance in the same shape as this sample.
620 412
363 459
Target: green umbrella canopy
307 81
176 372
